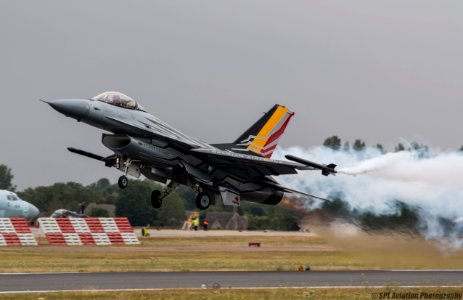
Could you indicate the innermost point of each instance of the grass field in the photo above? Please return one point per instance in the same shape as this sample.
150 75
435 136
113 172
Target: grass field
237 241
242 294
231 253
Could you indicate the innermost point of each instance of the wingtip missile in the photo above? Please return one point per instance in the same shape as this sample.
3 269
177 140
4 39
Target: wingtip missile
85 153
326 169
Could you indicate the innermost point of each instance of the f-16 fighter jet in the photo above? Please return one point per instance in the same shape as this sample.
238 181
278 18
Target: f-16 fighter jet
144 145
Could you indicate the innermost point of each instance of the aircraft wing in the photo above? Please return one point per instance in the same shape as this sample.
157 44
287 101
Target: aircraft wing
254 166
158 129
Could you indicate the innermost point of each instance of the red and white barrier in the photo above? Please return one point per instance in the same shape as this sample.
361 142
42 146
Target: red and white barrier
88 231
16 232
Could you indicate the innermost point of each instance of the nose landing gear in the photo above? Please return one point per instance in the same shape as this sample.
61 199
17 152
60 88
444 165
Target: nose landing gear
128 168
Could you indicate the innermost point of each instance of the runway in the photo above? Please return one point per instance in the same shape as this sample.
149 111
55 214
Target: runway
162 280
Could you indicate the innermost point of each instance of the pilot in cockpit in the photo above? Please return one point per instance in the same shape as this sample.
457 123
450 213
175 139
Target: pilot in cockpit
118 99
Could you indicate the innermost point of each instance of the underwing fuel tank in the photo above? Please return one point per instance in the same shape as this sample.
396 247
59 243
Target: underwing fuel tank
128 146
265 196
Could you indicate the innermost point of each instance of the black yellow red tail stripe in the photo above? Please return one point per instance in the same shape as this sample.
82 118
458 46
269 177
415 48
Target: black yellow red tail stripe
262 137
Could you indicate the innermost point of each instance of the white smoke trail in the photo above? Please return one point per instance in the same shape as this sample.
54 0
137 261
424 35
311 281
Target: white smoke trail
433 183
376 163
444 169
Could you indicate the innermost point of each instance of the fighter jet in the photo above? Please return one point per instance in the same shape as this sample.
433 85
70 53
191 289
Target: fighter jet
144 145
11 206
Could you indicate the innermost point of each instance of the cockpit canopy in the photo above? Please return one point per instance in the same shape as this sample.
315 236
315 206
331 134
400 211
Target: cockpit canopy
118 99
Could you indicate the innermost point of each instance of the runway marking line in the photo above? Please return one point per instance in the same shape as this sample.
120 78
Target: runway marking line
49 273
239 288
359 271
426 270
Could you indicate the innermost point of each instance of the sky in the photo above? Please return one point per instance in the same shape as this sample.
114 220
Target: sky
381 71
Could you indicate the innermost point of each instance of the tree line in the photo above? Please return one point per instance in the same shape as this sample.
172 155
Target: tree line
134 202
335 143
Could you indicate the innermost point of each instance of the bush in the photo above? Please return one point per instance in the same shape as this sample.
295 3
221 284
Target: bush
99 213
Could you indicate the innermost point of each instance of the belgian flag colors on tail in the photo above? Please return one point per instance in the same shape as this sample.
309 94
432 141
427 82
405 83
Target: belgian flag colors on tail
263 136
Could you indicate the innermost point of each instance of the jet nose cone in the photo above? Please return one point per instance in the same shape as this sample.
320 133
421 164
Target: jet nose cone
74 108
33 212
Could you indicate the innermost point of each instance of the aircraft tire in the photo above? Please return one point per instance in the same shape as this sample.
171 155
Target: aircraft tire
156 200
203 201
123 182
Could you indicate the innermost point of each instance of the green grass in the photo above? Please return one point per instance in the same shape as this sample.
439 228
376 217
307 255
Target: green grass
241 294
235 241
89 261
151 256
232 241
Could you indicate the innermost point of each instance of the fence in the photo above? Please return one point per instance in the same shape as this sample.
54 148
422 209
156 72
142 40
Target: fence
88 231
16 232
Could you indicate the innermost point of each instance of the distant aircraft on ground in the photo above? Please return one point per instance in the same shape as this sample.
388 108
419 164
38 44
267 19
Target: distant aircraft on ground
143 144
64 213
11 206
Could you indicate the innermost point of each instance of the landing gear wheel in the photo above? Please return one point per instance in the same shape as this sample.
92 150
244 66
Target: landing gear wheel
203 201
156 200
123 182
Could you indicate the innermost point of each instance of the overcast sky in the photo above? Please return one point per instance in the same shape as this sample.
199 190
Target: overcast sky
378 70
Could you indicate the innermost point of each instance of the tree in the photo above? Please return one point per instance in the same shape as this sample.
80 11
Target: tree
6 178
60 195
101 184
134 203
461 149
262 217
188 196
105 191
172 211
359 145
333 142
380 148
99 213
404 220
337 208
346 147
421 149
399 147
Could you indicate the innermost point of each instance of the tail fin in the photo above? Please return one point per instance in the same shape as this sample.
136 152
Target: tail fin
262 137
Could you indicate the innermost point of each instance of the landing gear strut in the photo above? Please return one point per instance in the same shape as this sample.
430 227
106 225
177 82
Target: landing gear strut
157 196
123 182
